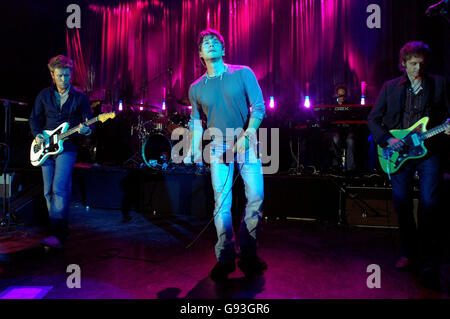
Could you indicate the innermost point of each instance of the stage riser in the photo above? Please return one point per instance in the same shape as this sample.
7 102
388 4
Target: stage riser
190 194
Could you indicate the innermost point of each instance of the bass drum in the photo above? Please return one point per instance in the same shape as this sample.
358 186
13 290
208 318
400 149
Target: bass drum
156 150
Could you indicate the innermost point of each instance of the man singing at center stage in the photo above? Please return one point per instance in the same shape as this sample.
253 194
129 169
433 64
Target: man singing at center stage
224 94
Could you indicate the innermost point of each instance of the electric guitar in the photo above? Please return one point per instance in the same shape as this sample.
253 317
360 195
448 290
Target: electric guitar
413 145
54 139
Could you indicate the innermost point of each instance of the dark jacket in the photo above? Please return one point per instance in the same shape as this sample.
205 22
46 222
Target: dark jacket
387 112
47 115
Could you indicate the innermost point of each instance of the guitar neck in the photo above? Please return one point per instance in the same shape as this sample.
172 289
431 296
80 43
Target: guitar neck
434 131
75 129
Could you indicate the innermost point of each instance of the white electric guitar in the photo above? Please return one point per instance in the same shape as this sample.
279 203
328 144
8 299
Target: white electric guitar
53 142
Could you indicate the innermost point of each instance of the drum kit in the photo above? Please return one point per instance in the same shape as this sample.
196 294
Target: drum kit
153 131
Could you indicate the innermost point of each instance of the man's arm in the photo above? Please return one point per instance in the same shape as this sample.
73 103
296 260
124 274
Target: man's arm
375 119
447 102
195 131
37 117
256 100
86 114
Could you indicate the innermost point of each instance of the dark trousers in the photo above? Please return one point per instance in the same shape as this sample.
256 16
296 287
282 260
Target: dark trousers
419 242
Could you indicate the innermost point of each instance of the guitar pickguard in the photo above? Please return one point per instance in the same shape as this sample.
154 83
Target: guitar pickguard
413 146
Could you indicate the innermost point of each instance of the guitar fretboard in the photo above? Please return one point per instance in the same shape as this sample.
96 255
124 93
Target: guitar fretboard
75 129
435 131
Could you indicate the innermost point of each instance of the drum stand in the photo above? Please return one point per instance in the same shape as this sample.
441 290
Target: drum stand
136 159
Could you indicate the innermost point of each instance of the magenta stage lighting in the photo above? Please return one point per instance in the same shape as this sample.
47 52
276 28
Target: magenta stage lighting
272 103
164 105
307 102
120 105
25 292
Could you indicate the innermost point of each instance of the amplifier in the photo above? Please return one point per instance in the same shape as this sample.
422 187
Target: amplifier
371 207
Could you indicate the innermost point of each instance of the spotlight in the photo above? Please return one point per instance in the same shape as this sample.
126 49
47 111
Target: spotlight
307 103
272 102
164 105
120 105
363 93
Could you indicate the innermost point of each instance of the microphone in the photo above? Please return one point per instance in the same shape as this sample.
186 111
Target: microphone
436 9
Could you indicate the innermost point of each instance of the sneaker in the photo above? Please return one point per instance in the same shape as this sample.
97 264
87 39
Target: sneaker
221 270
252 266
52 242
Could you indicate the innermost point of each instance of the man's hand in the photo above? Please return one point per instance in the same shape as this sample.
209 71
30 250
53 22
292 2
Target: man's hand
242 144
39 139
447 130
396 144
83 129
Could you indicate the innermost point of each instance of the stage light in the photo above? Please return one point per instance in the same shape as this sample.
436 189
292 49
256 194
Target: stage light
363 93
190 107
307 102
272 102
120 105
164 105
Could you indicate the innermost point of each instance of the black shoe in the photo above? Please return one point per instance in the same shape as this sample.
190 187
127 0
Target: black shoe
221 270
52 242
252 266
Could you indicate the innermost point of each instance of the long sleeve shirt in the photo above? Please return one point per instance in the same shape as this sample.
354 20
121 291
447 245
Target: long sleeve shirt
48 114
226 99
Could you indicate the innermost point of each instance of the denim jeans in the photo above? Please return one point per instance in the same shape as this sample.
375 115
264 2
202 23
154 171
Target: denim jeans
222 179
422 241
57 175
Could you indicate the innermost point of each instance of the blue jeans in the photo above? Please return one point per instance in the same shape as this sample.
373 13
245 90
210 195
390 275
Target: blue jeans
222 179
57 175
420 242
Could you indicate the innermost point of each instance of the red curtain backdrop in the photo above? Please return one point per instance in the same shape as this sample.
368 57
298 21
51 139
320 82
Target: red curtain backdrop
145 49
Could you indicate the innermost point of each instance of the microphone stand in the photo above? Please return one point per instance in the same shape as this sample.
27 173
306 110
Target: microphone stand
8 217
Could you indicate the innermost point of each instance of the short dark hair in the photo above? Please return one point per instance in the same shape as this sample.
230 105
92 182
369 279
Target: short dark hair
411 49
60 62
207 32
339 87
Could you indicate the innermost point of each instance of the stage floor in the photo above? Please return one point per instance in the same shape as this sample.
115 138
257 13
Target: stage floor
145 258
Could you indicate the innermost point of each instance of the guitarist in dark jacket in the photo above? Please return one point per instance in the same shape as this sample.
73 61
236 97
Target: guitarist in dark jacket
55 105
400 104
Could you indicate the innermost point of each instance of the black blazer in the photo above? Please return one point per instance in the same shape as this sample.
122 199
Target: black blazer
387 112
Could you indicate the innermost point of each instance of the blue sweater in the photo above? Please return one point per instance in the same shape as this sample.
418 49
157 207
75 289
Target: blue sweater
225 100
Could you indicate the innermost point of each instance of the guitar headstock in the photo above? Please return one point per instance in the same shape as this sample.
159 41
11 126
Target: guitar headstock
106 116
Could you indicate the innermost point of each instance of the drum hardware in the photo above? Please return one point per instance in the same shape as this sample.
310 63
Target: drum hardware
142 131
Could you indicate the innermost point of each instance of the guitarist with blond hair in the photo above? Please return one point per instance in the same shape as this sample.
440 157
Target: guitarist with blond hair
53 106
401 103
